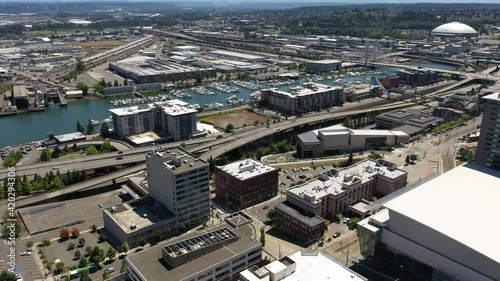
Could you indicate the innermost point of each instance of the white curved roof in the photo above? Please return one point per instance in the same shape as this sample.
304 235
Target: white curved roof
454 29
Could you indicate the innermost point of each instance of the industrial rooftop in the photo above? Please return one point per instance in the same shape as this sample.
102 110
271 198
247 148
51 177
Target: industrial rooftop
444 204
307 88
311 220
171 107
177 160
246 169
333 181
145 66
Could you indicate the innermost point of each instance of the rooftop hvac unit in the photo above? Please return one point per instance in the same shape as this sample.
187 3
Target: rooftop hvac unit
145 216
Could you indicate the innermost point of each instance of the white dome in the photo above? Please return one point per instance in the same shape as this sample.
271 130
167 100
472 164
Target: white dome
454 29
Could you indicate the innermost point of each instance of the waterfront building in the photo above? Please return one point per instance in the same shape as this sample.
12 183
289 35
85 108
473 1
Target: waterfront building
245 183
319 66
311 96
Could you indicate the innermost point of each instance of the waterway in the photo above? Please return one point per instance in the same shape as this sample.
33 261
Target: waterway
26 127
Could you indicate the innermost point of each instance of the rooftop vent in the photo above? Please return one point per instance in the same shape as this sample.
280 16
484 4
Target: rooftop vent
145 216
132 226
113 209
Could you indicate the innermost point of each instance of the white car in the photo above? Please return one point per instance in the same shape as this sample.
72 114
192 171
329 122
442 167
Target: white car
111 269
26 253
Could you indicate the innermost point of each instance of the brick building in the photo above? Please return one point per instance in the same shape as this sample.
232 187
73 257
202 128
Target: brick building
245 183
298 223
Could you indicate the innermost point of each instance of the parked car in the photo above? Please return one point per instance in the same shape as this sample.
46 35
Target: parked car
336 234
111 269
265 207
119 158
26 253
120 152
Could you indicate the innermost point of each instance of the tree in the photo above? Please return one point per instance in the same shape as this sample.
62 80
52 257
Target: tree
157 236
327 223
413 157
83 87
8 276
85 276
229 128
83 262
355 221
80 66
97 255
93 228
45 242
77 254
105 274
115 84
125 247
102 237
74 148
350 160
271 215
263 236
64 233
407 159
26 187
106 147
143 241
91 150
59 268
29 244
79 127
182 227
339 216
75 232
88 250
9 162
125 82
81 242
111 253
123 268
71 245
46 155
105 130
90 127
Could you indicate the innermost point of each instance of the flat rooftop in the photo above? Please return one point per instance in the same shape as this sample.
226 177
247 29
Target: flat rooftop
445 203
333 181
143 138
171 107
494 97
310 220
148 67
150 264
70 137
320 267
138 214
324 61
308 88
246 169
177 160
339 130
236 54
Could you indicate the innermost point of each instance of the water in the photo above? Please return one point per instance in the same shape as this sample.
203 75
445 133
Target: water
26 127
436 65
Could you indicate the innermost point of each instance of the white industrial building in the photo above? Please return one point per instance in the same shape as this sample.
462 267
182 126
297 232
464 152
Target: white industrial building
338 139
172 119
441 230
302 266
237 56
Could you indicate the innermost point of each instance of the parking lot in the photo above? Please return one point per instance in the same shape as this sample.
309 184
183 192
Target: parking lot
31 153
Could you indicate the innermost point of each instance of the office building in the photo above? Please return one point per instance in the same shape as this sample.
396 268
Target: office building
219 253
419 234
311 96
418 77
245 183
173 119
298 223
337 189
319 66
179 181
178 199
339 139
143 69
413 117
488 148
302 266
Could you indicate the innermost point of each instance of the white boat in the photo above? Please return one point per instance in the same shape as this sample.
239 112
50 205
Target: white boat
95 122
107 120
256 95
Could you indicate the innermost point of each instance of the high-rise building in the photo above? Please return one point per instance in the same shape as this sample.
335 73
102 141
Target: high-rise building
488 148
179 181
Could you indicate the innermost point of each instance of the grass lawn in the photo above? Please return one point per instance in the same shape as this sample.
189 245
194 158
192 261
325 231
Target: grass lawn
238 119
71 156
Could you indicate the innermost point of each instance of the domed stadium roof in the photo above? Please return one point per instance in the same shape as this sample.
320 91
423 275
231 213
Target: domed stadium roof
454 29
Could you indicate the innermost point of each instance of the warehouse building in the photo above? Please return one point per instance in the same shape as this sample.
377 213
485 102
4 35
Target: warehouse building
296 100
220 253
339 139
319 66
416 236
245 183
237 56
172 120
50 59
150 70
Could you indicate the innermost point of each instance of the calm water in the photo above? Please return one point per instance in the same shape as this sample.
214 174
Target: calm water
27 127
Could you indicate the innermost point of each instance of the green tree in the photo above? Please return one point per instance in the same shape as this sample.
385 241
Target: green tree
83 262
97 255
29 244
263 236
8 276
93 228
143 241
182 227
115 84
125 82
102 237
407 159
46 155
71 245
105 130
59 268
123 268
339 216
85 276
74 148
105 274
413 157
9 162
80 66
27 187
229 128
355 221
83 87
91 150
111 253
88 250
327 223
81 242
350 160
98 88
79 127
157 236
271 215
77 254
90 127
106 147
125 247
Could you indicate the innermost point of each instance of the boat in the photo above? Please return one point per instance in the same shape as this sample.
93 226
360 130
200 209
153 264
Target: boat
107 120
338 81
95 122
214 105
257 95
